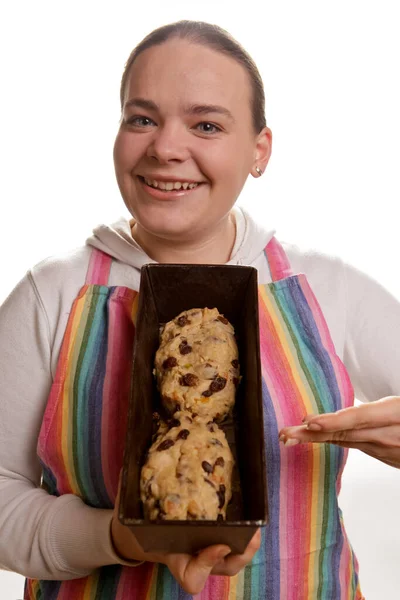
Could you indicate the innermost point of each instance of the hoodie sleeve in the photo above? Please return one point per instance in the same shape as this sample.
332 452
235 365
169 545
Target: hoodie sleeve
42 536
372 337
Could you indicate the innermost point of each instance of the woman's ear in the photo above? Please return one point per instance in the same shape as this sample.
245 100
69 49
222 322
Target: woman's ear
262 151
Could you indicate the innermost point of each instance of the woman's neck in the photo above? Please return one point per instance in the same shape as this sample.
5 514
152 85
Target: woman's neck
215 248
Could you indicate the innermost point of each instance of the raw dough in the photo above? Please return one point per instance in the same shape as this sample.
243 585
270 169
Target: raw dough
196 365
188 471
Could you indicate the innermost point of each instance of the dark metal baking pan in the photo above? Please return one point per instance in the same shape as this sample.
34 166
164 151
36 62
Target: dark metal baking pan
165 291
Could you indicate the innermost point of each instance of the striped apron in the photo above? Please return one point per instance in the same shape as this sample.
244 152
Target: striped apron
305 553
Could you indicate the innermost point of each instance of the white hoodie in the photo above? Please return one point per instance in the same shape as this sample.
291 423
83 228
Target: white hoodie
61 538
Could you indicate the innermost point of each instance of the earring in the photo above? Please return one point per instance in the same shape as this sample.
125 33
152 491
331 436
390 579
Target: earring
258 170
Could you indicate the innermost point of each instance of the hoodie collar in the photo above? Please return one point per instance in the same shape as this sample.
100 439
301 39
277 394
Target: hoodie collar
117 241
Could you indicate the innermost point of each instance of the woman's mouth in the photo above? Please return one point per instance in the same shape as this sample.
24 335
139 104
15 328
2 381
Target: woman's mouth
167 189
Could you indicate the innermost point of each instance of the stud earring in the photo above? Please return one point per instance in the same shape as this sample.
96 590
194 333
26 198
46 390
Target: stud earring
258 170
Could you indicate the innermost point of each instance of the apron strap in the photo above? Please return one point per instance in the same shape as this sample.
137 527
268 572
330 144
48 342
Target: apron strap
99 268
278 262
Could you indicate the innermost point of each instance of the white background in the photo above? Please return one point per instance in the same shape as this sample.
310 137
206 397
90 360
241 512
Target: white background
331 73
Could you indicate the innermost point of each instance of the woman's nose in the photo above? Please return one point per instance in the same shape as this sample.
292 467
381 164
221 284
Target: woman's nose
169 143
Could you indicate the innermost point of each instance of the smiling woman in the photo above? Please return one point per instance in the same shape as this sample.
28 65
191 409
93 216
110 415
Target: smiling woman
201 135
192 130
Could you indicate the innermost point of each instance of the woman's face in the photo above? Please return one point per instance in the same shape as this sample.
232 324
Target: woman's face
186 120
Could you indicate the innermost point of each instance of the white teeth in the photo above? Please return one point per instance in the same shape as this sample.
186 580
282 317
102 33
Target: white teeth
169 186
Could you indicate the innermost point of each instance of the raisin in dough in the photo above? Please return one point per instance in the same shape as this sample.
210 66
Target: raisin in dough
188 471
196 365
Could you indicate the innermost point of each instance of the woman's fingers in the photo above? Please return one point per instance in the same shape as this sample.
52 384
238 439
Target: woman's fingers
192 571
233 563
375 414
384 436
373 428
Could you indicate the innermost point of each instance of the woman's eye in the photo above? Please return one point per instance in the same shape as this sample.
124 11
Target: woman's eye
139 121
206 127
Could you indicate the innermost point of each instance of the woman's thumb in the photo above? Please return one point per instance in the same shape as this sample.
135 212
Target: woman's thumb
200 567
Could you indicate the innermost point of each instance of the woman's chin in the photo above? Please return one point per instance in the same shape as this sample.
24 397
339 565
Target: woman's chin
173 226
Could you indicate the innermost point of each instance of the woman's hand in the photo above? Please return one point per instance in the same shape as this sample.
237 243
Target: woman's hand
191 572
373 428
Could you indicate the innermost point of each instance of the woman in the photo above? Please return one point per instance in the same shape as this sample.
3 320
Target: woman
192 129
